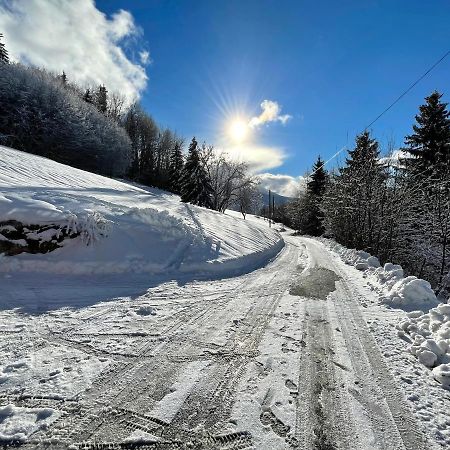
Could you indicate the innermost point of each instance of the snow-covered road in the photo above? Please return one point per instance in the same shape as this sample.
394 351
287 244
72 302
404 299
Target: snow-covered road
278 358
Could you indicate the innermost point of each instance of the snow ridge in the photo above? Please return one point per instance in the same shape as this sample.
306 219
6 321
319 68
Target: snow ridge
121 227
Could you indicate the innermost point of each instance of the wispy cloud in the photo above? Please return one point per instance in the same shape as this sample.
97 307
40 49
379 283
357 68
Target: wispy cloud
144 56
258 158
270 113
75 37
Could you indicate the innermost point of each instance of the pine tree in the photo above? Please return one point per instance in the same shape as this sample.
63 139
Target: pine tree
427 183
87 97
318 178
101 99
354 201
430 143
3 52
176 169
63 78
195 186
312 220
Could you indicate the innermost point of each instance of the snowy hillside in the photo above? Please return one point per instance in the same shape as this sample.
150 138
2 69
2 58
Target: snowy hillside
86 223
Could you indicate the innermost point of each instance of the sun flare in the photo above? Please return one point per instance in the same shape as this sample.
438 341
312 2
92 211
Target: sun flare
239 130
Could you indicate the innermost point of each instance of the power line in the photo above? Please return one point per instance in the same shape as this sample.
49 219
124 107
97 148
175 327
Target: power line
407 90
392 104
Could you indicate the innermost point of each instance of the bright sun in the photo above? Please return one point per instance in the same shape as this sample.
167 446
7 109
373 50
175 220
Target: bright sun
238 130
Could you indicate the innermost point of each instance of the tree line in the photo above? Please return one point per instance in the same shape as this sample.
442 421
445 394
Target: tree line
395 207
94 130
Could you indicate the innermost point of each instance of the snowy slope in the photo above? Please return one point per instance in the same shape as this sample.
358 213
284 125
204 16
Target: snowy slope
148 230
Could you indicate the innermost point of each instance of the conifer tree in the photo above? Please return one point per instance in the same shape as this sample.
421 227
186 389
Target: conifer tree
63 78
430 143
101 99
176 169
312 222
318 178
427 185
87 97
353 204
195 186
3 52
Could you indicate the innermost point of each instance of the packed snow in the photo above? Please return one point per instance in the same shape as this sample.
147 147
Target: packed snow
119 227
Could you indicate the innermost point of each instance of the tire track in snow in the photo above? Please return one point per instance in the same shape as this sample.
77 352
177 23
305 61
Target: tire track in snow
390 419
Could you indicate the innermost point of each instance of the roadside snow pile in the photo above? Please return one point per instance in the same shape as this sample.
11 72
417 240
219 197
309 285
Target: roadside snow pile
58 219
396 289
16 423
430 334
410 290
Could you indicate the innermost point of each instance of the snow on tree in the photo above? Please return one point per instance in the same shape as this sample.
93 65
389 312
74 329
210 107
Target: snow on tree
39 115
249 197
101 99
228 177
427 184
63 78
3 52
353 201
88 97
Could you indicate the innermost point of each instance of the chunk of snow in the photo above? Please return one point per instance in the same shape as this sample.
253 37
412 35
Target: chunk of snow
411 290
430 332
17 424
442 374
427 358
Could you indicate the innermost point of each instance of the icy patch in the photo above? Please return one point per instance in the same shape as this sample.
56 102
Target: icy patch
17 424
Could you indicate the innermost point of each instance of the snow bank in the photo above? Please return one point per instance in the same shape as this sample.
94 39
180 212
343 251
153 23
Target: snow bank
117 227
430 334
16 423
396 289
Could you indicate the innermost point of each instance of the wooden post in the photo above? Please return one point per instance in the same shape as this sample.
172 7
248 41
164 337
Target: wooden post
273 207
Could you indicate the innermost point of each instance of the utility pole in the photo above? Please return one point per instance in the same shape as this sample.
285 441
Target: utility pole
270 224
273 207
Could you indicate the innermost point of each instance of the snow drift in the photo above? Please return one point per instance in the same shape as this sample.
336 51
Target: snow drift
429 331
117 227
396 289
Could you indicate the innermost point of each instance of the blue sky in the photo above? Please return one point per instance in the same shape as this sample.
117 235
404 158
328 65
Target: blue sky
327 67
332 65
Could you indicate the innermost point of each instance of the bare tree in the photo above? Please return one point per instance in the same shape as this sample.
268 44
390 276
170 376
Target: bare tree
249 198
227 176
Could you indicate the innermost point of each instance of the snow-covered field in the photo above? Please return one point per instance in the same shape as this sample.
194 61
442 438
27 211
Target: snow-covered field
121 227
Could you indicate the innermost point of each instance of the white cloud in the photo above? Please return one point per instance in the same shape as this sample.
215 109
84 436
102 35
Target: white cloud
258 158
395 159
270 113
286 185
144 56
76 37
